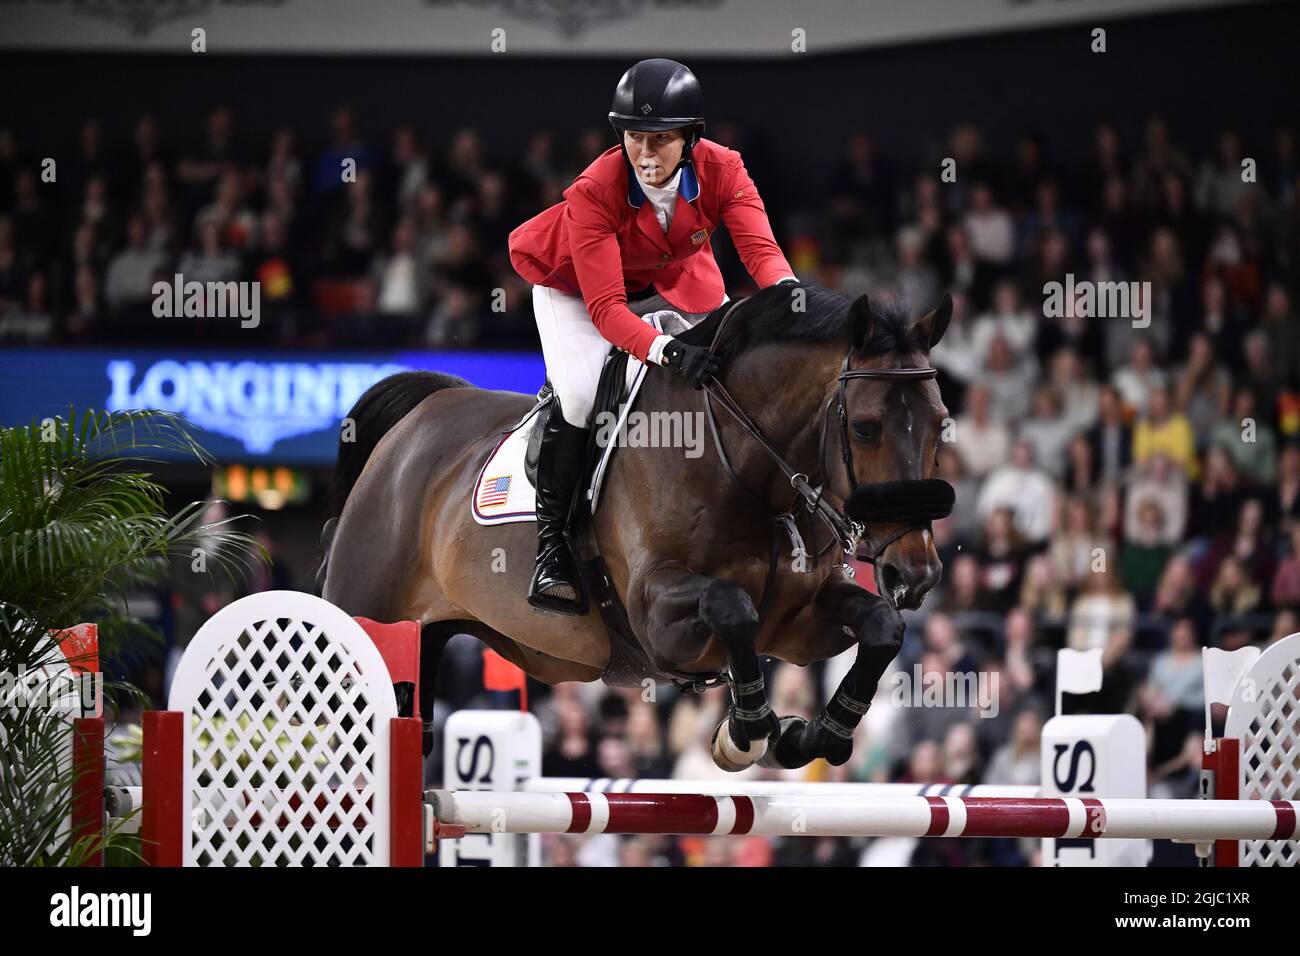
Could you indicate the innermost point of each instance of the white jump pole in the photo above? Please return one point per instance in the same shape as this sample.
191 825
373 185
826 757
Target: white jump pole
759 788
851 816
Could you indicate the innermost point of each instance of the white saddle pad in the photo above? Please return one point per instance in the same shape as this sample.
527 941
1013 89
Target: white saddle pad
503 493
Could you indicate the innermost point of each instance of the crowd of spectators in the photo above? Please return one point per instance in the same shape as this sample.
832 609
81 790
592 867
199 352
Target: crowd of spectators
357 244
1128 483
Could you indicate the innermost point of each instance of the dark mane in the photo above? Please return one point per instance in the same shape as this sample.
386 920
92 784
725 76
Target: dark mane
767 316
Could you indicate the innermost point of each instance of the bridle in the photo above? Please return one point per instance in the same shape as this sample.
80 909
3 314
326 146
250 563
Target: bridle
922 518
845 531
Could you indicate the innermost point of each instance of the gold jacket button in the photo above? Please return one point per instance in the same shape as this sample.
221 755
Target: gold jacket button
666 256
660 266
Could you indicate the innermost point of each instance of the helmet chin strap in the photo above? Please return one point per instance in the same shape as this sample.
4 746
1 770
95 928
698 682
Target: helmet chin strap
687 156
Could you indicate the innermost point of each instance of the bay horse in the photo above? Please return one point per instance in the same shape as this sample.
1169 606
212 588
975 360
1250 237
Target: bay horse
826 397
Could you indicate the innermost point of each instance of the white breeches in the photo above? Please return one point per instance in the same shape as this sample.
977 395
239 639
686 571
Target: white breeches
575 351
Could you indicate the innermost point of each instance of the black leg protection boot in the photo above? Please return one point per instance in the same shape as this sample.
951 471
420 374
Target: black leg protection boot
556 584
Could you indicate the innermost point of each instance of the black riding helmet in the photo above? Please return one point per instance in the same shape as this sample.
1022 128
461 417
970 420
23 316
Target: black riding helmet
656 95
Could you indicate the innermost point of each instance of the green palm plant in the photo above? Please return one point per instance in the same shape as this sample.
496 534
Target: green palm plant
81 524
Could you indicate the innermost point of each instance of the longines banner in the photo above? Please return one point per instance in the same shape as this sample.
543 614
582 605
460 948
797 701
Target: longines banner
276 407
535 27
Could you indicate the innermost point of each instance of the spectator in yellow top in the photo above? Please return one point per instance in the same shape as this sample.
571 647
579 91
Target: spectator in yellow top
1165 431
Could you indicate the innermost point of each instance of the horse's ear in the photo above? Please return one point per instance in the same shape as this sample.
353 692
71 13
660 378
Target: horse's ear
935 324
860 323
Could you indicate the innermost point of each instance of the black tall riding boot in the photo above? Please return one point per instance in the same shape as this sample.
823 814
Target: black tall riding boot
556 584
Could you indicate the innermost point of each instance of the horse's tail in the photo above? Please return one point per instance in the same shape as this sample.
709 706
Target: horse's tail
382 406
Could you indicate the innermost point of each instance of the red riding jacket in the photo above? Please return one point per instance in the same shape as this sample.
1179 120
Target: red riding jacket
604 239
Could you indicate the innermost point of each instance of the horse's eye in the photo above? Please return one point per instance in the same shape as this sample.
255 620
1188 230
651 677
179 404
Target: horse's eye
864 430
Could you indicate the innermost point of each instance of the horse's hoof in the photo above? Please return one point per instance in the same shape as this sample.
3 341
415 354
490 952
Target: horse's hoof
836 751
727 755
785 752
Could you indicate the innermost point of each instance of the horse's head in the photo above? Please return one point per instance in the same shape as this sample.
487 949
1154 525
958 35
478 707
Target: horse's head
890 430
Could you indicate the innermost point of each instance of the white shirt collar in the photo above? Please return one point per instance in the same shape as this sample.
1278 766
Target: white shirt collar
658 193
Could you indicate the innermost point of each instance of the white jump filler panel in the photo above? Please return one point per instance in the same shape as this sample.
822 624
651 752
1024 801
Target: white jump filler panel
1094 755
491 751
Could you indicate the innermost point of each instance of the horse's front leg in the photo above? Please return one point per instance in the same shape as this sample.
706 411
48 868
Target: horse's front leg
878 630
683 611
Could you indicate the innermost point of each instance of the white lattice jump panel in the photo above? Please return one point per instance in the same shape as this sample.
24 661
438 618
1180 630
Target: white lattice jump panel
1265 717
289 705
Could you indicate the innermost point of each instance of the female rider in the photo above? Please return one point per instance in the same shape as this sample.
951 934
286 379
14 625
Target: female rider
605 257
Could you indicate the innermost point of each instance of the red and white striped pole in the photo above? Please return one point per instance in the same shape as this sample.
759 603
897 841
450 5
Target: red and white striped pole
803 815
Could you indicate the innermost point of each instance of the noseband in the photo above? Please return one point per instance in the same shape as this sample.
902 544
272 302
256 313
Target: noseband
913 503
